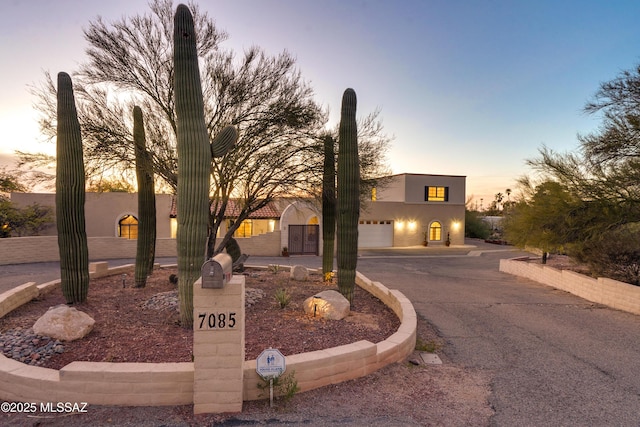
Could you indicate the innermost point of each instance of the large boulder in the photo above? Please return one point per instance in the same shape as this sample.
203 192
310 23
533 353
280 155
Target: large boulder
64 323
327 304
299 273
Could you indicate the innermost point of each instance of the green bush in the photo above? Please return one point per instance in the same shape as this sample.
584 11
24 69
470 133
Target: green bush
614 254
475 227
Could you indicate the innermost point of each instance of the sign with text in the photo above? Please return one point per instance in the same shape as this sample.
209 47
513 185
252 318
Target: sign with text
216 321
270 363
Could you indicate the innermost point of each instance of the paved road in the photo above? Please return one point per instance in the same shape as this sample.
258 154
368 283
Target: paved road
554 359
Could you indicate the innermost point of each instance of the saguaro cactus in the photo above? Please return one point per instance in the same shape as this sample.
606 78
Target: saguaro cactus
146 244
194 160
348 196
70 197
328 207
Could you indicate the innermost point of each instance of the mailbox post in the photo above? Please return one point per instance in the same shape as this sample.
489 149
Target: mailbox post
218 338
217 271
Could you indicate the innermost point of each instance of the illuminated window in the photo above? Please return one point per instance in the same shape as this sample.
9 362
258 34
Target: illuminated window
435 231
436 194
245 229
374 194
128 227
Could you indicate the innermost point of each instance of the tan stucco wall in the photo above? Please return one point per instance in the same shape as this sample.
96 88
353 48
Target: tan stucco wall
22 250
410 188
422 215
393 190
414 188
104 210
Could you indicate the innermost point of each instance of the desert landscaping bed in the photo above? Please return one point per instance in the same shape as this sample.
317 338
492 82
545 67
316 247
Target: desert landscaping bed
401 393
142 324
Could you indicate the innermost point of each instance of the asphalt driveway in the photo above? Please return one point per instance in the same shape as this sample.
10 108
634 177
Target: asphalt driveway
553 358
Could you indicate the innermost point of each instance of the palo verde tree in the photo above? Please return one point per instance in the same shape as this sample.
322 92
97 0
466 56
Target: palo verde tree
70 198
263 96
146 243
602 176
606 165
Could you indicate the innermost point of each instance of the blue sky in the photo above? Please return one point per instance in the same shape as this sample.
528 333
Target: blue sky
466 87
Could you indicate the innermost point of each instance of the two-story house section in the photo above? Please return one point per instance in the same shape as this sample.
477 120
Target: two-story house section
411 209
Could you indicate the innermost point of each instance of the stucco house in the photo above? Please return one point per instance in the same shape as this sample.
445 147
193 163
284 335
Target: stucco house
412 207
408 209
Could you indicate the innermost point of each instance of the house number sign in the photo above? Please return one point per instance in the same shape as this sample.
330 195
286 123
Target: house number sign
217 321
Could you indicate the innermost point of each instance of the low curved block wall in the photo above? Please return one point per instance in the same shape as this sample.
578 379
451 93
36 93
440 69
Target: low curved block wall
612 293
161 384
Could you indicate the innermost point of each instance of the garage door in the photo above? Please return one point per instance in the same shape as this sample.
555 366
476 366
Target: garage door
375 234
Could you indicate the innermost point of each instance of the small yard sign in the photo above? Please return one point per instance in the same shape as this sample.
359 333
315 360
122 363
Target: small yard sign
270 363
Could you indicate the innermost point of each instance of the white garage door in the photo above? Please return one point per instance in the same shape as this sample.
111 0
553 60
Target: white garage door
375 234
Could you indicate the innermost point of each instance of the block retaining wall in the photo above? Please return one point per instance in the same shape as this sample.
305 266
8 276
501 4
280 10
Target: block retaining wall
612 293
21 250
160 384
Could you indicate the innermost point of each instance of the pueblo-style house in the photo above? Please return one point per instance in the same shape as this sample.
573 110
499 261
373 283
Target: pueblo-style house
409 210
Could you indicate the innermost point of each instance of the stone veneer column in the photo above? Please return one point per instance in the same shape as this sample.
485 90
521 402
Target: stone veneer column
218 347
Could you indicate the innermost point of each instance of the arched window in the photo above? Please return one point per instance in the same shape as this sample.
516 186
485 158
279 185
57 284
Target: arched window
435 231
128 227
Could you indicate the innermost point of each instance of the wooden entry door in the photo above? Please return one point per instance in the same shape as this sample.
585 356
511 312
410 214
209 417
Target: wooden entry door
303 239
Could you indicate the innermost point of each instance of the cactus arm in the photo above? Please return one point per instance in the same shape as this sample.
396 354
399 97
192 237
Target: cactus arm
224 141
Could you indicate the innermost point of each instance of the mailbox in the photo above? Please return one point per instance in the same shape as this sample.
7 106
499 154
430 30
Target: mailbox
217 271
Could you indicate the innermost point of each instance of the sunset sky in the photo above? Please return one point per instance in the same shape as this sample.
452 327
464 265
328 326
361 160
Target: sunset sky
466 87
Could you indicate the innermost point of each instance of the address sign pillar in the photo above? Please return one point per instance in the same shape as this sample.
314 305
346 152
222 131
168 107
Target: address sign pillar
218 346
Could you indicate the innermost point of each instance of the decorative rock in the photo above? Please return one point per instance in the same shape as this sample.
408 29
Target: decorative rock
327 304
299 273
64 323
20 345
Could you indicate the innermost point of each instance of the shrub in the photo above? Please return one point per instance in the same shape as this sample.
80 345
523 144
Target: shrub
284 386
283 297
614 254
475 227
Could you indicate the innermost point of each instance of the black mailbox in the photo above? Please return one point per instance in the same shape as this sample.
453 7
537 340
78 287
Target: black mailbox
217 271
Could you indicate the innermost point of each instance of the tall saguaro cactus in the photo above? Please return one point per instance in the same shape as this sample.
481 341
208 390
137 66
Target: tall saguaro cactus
348 196
70 197
194 161
328 207
146 244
